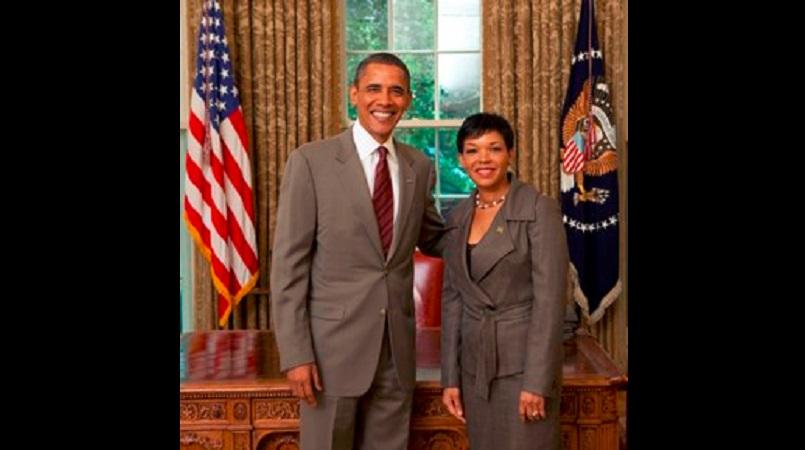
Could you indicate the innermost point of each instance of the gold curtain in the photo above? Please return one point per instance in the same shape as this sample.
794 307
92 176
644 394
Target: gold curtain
527 47
287 61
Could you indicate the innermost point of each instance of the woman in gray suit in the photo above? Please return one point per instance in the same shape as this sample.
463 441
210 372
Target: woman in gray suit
506 264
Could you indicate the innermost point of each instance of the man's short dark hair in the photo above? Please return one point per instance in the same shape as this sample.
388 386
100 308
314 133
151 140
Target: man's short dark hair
381 58
479 124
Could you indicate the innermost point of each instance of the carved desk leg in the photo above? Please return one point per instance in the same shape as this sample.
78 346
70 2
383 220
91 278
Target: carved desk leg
432 427
276 422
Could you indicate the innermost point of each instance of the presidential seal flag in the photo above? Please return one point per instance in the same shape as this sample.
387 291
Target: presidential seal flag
218 204
588 175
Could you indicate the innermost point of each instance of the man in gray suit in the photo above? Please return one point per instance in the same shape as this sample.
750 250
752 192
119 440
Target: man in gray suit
352 209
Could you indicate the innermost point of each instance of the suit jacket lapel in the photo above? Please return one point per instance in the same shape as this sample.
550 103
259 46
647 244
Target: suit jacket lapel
495 245
356 188
406 186
464 234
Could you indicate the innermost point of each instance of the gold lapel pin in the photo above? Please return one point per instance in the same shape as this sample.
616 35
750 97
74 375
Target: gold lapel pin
499 230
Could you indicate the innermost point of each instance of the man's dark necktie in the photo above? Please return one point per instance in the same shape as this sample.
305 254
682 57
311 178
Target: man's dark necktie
383 200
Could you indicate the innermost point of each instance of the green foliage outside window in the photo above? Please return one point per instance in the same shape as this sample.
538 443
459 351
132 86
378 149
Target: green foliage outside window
413 23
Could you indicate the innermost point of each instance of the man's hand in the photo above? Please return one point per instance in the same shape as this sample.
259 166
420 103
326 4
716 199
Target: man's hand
302 379
532 406
451 397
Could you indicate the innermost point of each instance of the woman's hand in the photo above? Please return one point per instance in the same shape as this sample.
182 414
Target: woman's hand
532 406
451 397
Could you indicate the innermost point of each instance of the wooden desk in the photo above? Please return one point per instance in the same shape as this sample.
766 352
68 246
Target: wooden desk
262 414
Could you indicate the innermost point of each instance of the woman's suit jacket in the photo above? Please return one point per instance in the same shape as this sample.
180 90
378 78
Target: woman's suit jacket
509 320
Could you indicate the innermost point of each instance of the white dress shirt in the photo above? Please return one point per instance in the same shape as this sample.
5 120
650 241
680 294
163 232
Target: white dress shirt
367 153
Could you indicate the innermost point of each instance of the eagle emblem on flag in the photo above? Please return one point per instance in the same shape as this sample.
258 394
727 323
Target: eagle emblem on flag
588 150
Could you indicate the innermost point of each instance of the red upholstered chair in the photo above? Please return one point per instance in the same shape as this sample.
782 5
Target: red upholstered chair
428 276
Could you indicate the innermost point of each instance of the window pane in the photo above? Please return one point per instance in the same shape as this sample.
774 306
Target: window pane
452 178
422 75
367 24
422 139
413 24
459 25
459 85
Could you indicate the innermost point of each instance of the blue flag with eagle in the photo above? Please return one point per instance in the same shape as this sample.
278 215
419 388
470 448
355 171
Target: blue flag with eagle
588 175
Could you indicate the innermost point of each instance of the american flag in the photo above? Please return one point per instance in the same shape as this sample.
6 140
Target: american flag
218 202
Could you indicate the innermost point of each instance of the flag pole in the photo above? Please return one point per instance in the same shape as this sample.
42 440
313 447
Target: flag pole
584 327
588 151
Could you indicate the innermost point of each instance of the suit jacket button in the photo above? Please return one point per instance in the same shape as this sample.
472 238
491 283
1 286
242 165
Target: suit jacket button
385 272
382 311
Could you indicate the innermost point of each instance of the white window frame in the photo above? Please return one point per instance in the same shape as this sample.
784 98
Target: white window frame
415 123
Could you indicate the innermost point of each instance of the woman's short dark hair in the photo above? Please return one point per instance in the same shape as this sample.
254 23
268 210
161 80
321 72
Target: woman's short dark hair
482 123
